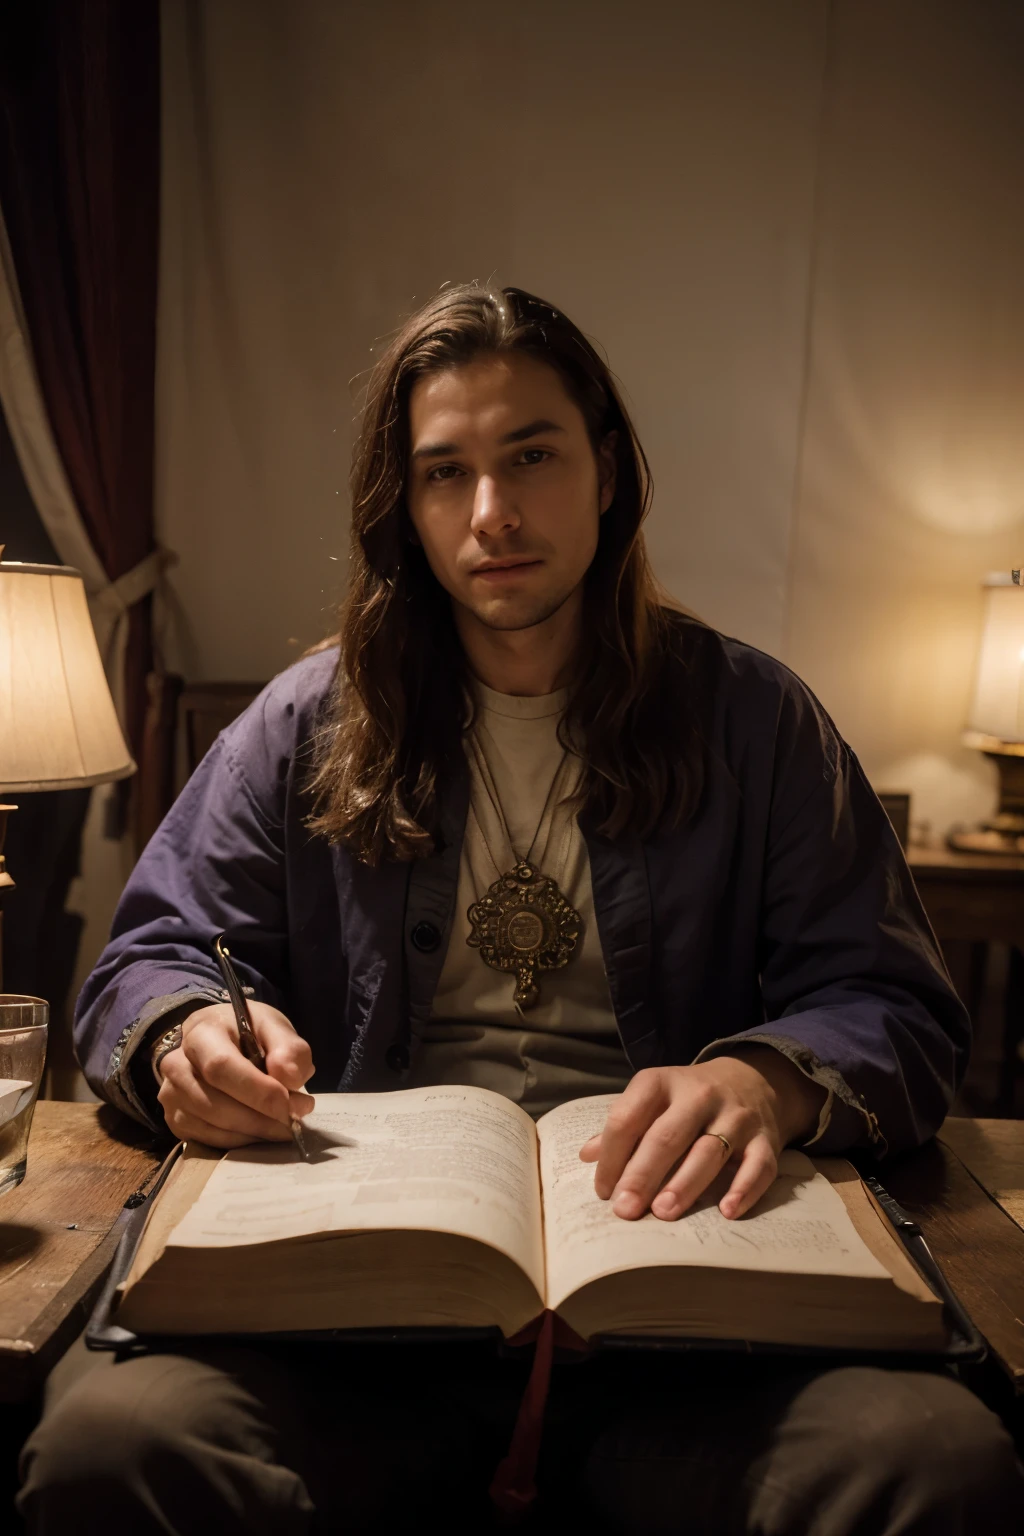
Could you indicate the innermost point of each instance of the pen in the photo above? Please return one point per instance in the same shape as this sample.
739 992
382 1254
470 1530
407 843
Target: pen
247 1041
913 1240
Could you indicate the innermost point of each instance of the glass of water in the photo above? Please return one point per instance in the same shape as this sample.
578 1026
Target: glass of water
23 1022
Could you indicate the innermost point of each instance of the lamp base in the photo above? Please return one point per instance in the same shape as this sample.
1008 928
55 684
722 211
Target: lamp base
989 837
1002 833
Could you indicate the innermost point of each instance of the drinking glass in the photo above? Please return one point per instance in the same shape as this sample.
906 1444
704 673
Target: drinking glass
23 1022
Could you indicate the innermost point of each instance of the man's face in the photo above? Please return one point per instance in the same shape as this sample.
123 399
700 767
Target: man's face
505 489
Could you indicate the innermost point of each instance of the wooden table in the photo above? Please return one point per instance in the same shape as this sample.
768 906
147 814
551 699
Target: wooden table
966 1189
975 897
973 900
84 1160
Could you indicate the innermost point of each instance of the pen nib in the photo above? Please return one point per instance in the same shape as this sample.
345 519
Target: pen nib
296 1125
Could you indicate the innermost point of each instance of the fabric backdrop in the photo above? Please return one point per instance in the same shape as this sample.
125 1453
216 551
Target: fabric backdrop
795 228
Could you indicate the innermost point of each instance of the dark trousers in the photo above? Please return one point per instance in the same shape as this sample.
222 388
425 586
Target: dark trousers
302 1439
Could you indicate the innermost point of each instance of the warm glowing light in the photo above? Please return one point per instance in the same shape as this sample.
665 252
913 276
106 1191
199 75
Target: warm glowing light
998 707
58 728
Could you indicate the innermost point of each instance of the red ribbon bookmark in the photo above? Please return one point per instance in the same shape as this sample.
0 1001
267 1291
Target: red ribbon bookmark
514 1486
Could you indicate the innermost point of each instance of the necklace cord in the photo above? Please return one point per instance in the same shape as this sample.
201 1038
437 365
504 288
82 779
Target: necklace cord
487 780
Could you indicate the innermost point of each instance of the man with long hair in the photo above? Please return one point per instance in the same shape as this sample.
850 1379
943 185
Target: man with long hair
706 914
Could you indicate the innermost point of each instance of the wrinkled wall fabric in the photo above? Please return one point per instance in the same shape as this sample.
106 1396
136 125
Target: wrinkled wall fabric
912 467
794 228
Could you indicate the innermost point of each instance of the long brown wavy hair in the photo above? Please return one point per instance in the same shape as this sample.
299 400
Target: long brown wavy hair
400 704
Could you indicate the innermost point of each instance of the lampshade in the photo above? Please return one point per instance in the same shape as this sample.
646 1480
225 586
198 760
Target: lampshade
997 711
58 725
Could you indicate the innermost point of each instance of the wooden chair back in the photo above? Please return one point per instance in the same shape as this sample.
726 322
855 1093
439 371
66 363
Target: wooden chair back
183 720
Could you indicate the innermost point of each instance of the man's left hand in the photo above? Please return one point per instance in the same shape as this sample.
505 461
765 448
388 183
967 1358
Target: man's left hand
661 1147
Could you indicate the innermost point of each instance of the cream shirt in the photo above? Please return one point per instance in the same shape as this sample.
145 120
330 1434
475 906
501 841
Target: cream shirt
568 1044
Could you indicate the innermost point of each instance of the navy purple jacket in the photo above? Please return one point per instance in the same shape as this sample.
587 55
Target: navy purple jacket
783 912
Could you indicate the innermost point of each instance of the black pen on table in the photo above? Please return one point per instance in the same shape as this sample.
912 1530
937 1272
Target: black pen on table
247 1041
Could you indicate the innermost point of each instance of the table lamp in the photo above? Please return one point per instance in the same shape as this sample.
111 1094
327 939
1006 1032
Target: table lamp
58 725
996 722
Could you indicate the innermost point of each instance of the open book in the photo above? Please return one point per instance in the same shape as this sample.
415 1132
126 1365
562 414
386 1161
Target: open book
447 1207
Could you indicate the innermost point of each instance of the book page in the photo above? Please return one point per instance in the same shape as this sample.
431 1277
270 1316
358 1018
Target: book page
873 1226
193 1166
445 1159
800 1226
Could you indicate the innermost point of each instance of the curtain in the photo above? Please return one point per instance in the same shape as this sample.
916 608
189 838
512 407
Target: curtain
79 191
43 472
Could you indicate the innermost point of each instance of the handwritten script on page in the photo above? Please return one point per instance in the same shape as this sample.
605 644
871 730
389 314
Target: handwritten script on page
446 1159
799 1226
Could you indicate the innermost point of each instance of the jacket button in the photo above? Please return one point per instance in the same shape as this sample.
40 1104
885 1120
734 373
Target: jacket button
426 937
397 1057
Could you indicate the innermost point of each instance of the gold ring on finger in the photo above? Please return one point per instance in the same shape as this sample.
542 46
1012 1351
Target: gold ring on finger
726 1143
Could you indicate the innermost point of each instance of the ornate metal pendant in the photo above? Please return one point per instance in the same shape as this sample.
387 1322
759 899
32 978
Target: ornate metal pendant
524 924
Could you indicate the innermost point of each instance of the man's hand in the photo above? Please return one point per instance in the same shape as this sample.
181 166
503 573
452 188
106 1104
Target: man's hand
209 1092
655 1152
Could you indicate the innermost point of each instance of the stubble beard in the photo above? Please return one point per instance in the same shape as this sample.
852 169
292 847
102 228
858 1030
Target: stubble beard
506 618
